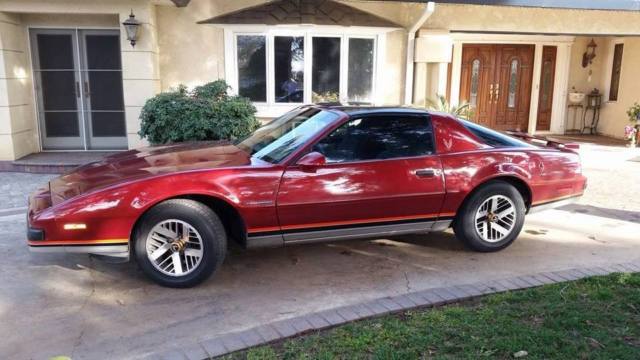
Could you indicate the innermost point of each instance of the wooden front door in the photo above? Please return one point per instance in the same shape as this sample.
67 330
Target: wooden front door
545 100
496 81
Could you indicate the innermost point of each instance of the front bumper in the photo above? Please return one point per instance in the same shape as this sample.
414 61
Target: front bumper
118 250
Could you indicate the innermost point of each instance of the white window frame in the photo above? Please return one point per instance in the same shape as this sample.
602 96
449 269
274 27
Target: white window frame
270 108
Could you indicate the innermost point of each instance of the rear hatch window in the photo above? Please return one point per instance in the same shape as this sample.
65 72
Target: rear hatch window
494 138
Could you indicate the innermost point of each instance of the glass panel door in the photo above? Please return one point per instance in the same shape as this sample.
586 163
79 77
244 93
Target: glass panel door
101 75
78 81
57 86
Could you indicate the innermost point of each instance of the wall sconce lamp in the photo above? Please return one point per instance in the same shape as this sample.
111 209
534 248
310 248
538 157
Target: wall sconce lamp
131 26
590 54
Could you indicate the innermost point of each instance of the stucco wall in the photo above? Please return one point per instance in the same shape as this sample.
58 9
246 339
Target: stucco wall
190 53
403 14
140 69
17 121
579 76
614 117
391 81
533 20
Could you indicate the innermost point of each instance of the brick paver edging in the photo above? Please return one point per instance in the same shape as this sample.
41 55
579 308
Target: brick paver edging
283 329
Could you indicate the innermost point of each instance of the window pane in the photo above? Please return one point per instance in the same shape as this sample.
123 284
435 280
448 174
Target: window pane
55 51
360 70
547 80
513 84
325 72
252 67
61 124
289 68
108 123
615 72
101 50
475 79
380 137
59 90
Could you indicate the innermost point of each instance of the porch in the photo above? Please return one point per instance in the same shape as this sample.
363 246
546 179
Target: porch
585 139
52 162
542 84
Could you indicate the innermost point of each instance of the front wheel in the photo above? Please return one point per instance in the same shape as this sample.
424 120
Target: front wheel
180 243
492 218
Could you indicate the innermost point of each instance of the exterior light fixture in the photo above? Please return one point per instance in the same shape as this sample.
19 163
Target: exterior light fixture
590 54
131 26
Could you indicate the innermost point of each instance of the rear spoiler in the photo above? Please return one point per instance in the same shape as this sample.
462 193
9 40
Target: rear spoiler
544 141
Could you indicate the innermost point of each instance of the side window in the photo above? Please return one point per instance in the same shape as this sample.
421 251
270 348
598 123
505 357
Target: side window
377 138
615 72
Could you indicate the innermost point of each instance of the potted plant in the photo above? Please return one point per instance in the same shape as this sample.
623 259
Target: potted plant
632 132
463 110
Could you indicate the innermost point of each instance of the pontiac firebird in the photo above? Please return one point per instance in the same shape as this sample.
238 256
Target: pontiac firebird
318 173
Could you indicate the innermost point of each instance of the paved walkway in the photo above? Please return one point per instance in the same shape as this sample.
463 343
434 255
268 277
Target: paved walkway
15 188
72 305
278 330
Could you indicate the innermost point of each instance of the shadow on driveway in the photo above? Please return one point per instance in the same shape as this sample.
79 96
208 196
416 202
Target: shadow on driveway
616 214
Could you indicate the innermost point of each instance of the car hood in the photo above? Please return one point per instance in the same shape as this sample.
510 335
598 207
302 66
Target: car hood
146 162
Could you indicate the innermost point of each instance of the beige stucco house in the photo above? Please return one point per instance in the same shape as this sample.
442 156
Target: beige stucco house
70 80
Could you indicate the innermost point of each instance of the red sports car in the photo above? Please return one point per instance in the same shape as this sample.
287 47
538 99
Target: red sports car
318 173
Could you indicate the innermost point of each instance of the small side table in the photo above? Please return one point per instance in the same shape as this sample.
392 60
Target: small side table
574 125
594 101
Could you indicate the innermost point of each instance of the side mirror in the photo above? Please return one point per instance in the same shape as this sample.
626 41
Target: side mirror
311 161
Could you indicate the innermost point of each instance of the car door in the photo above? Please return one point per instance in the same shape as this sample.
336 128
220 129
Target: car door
381 176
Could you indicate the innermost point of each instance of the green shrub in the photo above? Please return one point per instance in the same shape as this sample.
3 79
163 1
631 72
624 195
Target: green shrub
207 112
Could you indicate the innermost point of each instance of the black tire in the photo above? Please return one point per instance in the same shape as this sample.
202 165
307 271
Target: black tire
203 220
464 224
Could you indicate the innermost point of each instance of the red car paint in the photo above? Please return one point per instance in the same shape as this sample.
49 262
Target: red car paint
110 196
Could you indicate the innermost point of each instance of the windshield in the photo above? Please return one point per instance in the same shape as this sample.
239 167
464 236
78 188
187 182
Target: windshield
278 139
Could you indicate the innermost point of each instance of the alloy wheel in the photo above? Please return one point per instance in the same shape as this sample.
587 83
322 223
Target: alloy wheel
174 247
495 218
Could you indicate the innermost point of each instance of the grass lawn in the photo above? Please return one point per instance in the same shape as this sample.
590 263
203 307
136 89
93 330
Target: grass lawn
595 318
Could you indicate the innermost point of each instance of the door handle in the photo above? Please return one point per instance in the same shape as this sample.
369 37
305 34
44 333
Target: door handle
86 89
490 93
497 92
77 89
426 173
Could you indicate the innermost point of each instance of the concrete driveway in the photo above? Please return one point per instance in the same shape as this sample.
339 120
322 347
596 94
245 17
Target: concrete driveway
72 305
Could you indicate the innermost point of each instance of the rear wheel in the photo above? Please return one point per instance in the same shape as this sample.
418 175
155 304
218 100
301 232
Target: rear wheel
180 243
492 218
